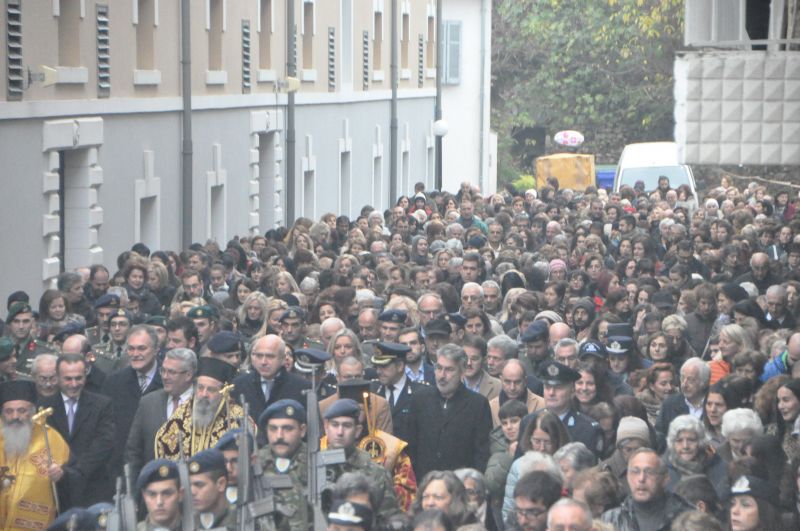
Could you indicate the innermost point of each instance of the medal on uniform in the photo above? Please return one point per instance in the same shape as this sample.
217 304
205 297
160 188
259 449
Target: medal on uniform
282 464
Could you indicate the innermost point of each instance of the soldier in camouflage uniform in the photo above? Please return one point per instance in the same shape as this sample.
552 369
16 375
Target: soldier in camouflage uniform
20 330
112 356
208 479
285 424
342 430
8 362
159 486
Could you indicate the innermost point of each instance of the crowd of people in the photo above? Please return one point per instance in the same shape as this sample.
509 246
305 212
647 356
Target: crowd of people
525 360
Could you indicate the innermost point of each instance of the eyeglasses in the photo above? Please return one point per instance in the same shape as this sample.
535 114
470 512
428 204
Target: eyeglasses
529 514
170 372
649 472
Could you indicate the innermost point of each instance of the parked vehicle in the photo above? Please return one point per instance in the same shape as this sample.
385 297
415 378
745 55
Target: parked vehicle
647 161
571 169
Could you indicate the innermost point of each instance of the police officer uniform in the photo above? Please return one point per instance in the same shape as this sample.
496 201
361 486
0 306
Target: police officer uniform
350 515
308 361
399 399
620 346
212 460
581 428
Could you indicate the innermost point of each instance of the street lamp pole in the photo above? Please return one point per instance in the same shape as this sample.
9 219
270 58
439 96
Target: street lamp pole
438 108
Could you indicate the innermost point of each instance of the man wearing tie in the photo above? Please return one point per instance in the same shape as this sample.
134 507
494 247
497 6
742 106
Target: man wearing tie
396 387
177 374
86 421
126 386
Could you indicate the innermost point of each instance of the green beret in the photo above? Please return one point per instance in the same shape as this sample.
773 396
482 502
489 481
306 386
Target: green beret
201 312
18 308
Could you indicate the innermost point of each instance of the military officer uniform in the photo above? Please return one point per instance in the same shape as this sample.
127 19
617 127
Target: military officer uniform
31 347
98 334
6 352
110 357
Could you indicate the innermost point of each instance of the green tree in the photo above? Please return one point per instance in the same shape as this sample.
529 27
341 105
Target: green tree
603 67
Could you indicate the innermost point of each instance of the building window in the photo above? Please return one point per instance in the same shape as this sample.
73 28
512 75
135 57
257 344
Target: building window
215 29
265 36
405 38
377 41
308 35
69 18
451 68
430 59
145 30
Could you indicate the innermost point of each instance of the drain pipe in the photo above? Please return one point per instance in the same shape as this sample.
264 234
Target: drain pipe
393 124
437 111
186 126
291 71
482 141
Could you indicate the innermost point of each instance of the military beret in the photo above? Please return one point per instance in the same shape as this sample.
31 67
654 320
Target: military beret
284 409
536 331
75 518
389 352
293 312
157 470
350 514
619 344
225 341
207 461
107 300
308 359
17 296
230 440
344 407
120 312
354 389
592 348
6 348
554 373
99 512
221 371
457 319
755 487
438 328
70 329
156 320
18 308
18 390
204 311
393 316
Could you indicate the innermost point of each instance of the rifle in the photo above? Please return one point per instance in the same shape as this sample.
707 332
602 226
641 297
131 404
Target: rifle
243 485
127 503
114 520
187 517
318 460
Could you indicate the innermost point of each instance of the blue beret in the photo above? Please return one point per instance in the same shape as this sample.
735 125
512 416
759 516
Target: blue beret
457 319
389 352
157 470
344 407
108 300
393 316
307 359
120 312
70 329
293 312
225 341
349 514
536 331
554 373
284 409
592 348
204 311
81 518
619 344
207 461
99 512
230 440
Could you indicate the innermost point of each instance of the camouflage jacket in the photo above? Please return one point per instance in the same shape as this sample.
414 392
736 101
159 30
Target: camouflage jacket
359 461
291 508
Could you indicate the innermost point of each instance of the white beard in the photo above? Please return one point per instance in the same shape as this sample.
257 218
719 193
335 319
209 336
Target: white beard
17 438
203 412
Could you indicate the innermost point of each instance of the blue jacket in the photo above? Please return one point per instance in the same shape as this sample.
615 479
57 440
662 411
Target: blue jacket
776 366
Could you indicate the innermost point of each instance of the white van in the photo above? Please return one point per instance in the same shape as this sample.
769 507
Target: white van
647 161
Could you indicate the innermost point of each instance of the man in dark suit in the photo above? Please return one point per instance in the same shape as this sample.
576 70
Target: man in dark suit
395 386
268 381
86 421
695 375
449 425
177 375
126 386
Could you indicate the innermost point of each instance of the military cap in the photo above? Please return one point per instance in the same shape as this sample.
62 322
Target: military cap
217 369
755 487
620 329
350 514
619 344
438 328
156 320
120 312
662 299
70 329
204 311
536 331
18 308
207 461
225 341
308 359
157 470
354 389
389 352
457 319
230 440
107 300
99 512
285 408
6 348
393 316
293 312
74 518
592 348
344 407
18 390
555 373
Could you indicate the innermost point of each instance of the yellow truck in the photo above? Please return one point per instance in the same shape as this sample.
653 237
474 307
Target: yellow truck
572 170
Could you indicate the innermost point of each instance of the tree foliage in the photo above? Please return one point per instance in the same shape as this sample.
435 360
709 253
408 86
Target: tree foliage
598 66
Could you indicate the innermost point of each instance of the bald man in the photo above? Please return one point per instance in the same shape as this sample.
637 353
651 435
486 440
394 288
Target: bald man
559 331
514 387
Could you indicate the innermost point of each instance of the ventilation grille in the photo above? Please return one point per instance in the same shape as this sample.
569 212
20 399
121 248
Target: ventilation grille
103 53
245 56
14 50
421 61
365 67
331 59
